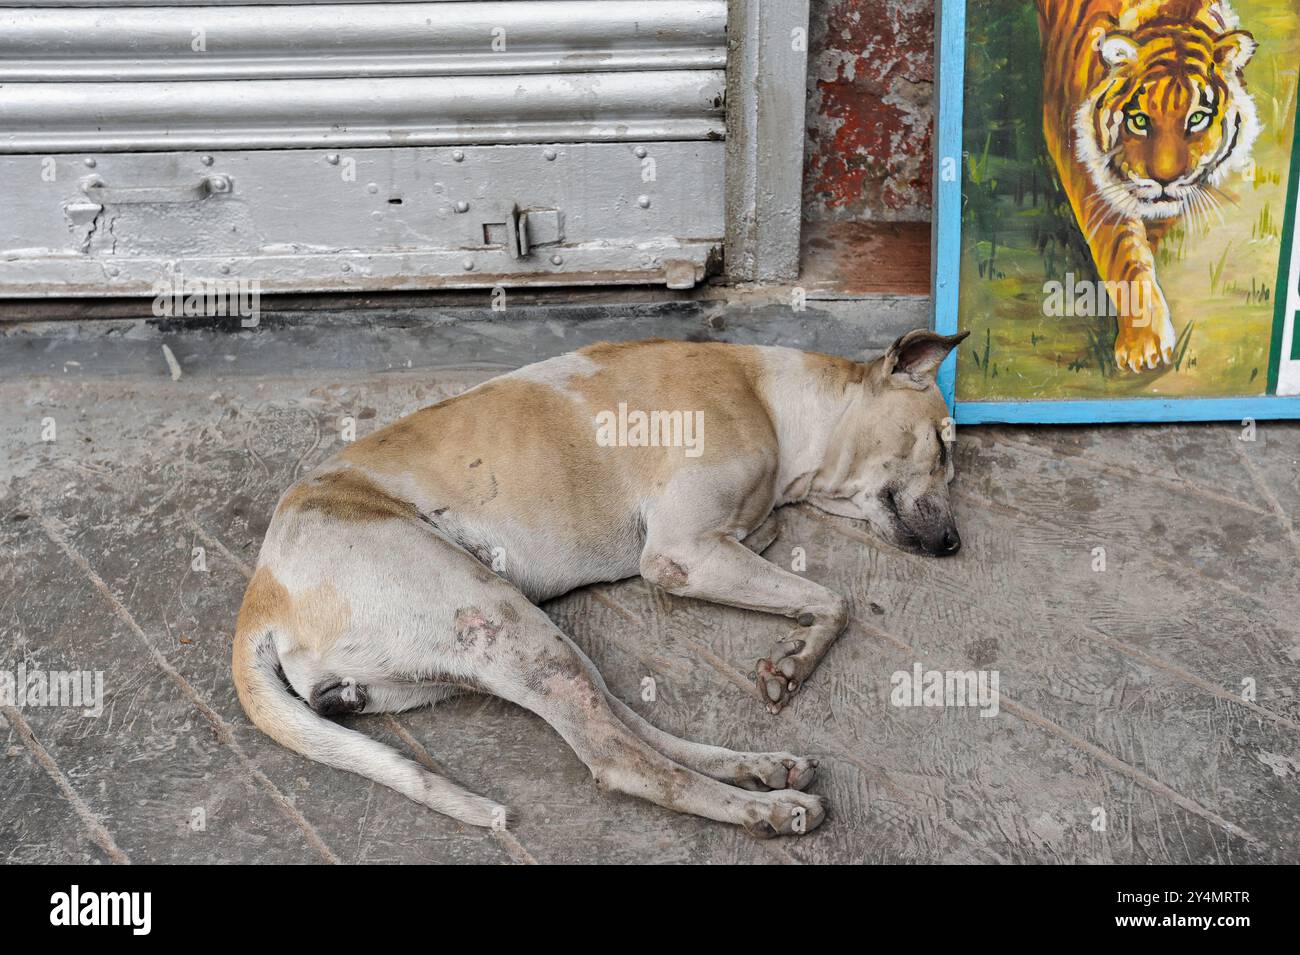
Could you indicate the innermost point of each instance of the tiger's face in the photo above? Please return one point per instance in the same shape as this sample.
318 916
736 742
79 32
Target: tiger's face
1169 119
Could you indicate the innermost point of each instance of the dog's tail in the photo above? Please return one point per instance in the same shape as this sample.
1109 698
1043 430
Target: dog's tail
291 722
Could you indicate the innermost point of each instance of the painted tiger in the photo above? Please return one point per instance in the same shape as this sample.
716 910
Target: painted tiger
1145 112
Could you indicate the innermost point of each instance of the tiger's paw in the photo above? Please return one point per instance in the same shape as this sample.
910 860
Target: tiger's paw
1140 348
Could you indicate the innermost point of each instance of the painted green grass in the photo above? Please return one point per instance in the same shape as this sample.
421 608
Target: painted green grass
1018 233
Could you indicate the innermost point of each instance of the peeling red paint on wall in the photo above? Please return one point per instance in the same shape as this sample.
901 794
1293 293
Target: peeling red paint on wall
870 86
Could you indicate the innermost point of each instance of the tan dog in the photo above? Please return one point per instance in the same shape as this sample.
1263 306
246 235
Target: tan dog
408 565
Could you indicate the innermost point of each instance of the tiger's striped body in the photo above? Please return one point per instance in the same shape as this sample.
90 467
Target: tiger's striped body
1145 112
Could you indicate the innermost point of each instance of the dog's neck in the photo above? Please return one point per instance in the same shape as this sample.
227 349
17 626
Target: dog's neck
812 399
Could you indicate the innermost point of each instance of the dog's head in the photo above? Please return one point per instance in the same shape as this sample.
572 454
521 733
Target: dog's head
889 460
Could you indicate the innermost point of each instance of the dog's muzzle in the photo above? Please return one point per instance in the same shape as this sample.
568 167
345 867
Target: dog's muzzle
944 544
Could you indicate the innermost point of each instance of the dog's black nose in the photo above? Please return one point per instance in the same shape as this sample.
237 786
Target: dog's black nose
951 541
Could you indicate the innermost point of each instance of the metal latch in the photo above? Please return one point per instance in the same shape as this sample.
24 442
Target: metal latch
524 230
97 190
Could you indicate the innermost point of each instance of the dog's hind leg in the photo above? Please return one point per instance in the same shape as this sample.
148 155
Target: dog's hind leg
757 771
299 723
418 610
535 665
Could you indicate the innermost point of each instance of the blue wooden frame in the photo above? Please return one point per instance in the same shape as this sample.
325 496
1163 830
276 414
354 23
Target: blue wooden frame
946 255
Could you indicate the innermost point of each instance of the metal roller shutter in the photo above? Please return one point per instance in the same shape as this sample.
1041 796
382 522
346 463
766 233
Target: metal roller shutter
314 146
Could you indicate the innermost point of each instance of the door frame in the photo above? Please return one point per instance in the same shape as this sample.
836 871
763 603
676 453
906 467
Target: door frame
767 70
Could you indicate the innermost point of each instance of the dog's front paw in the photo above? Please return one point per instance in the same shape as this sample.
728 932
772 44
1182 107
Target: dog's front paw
787 813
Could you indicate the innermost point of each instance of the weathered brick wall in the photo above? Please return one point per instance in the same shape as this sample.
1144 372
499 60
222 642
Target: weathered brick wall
870 84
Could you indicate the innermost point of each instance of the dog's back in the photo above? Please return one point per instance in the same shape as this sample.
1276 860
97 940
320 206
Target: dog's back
543 473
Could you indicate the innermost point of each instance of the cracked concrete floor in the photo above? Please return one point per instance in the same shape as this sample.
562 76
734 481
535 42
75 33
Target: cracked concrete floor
1121 690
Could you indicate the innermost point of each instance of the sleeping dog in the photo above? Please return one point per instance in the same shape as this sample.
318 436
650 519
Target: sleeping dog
409 566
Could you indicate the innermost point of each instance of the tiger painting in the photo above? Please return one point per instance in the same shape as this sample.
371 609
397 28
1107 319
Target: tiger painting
1145 112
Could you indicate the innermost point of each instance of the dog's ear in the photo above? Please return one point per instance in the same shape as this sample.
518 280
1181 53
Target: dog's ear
914 359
